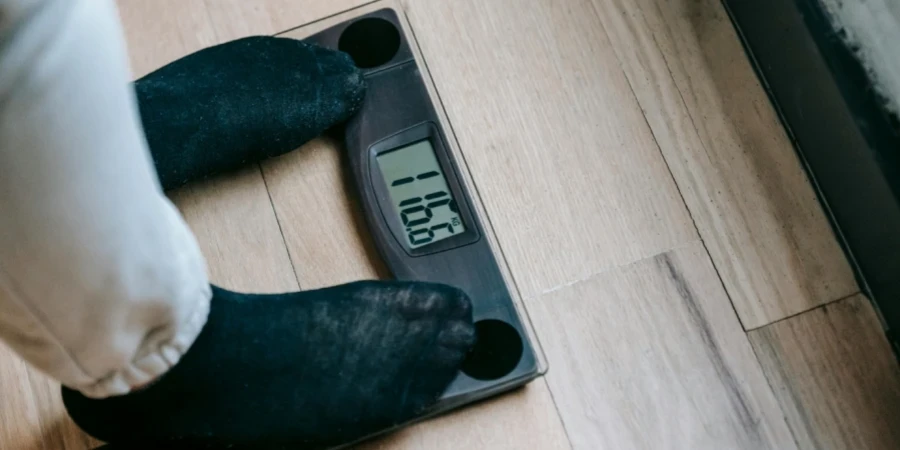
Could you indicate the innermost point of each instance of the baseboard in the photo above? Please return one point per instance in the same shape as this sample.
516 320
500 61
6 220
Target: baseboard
847 140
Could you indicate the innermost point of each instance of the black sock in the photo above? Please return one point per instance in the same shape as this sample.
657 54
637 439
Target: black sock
303 370
242 101
309 369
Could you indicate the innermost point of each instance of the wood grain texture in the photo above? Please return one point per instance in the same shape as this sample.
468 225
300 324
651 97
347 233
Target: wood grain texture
160 31
235 19
32 416
742 181
235 225
321 217
20 419
58 431
651 355
835 376
568 169
522 419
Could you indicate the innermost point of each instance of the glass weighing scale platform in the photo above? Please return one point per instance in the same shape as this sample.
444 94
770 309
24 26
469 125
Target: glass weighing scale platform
419 200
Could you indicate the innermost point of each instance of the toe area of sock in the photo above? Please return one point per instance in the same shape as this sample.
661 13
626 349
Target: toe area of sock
344 86
326 79
427 300
319 85
458 335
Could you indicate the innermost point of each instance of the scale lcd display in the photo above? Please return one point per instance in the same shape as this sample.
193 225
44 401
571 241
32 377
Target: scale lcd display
419 192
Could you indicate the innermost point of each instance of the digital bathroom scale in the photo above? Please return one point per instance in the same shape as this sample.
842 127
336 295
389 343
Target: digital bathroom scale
418 198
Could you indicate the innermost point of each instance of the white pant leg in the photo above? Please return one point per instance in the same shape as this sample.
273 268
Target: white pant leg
102 285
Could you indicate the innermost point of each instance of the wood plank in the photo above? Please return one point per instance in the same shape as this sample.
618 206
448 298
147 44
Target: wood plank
835 376
522 419
652 355
160 31
235 19
235 225
560 152
32 416
60 432
20 419
321 217
744 185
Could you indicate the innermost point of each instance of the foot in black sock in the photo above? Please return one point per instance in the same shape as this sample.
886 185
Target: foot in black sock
242 101
302 370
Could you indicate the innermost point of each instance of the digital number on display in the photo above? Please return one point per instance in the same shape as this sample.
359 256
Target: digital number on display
420 194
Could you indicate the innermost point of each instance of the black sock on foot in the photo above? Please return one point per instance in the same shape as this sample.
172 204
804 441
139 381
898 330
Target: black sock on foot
242 101
305 370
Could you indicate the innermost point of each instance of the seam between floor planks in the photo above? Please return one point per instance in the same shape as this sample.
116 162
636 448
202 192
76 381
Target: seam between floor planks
823 305
613 268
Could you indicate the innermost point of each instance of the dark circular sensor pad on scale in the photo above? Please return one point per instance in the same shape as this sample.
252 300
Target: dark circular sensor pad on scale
371 42
496 353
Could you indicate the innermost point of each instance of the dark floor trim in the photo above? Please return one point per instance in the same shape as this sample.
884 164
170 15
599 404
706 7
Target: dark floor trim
848 143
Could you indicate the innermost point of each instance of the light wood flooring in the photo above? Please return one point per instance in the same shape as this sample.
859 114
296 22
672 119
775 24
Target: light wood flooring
683 279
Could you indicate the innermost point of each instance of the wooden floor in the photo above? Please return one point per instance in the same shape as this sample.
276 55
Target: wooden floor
682 277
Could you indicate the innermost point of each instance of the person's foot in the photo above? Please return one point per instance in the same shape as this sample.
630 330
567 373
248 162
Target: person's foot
305 370
243 101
